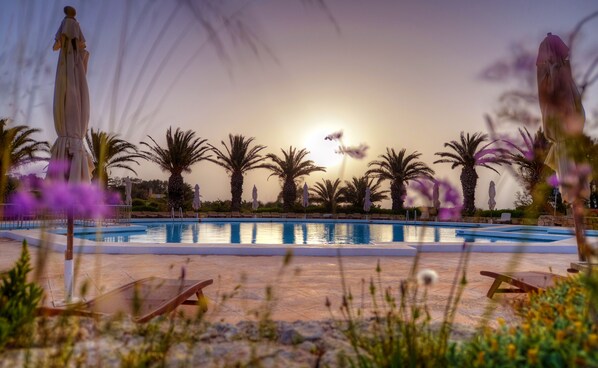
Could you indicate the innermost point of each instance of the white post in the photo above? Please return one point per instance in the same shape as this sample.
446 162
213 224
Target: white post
69 271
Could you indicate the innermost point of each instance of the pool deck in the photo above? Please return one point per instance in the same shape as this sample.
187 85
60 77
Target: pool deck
300 289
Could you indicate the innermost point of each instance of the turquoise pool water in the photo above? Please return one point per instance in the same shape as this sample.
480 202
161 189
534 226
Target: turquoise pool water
231 232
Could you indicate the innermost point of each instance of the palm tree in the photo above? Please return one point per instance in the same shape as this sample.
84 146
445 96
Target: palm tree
290 167
399 169
468 154
182 150
109 152
327 193
18 148
237 159
532 171
354 191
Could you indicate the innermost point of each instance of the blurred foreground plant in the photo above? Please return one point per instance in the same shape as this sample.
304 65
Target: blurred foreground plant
557 331
18 303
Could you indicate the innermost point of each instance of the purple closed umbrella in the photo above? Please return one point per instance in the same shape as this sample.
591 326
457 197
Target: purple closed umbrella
367 201
491 195
196 198
254 204
563 118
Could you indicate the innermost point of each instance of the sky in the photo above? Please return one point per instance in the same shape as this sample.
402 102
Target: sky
396 74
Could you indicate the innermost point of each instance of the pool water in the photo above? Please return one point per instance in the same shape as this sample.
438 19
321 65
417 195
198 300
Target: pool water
290 233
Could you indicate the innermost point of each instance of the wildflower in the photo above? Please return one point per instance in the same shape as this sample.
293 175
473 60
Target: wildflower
532 356
511 351
501 321
358 152
494 345
593 339
427 277
59 197
480 361
336 136
553 180
560 336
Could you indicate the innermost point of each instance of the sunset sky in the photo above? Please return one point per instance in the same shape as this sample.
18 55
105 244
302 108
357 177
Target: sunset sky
399 74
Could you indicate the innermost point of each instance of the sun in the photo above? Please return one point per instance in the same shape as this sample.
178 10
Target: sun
321 151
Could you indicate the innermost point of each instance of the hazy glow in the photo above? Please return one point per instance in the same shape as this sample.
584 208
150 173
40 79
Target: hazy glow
321 151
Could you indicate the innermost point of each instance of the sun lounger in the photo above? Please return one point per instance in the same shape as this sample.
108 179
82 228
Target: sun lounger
142 299
505 218
522 282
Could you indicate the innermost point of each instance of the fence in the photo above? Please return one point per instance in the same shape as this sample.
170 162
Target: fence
13 218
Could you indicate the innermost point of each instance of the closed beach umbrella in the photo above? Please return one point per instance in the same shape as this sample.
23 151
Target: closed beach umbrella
128 188
71 119
367 201
305 197
436 196
196 199
254 205
491 195
563 116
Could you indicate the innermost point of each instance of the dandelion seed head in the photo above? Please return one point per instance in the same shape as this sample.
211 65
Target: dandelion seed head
427 277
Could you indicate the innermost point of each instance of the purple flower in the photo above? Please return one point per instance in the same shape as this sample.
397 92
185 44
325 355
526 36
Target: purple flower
553 180
58 169
358 152
21 203
449 197
336 136
58 197
449 213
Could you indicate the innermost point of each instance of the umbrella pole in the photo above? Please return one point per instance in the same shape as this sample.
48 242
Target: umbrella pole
68 260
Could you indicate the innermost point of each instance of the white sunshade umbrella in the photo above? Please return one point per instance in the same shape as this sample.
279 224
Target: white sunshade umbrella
71 119
128 189
305 197
254 204
367 202
491 196
196 198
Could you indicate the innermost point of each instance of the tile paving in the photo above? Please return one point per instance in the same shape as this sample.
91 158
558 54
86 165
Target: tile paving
301 288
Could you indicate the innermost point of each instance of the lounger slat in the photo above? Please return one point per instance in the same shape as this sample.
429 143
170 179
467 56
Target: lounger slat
142 299
524 282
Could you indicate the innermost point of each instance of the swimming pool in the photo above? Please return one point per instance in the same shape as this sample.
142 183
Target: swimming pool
300 232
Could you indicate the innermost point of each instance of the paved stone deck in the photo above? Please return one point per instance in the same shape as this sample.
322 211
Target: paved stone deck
301 289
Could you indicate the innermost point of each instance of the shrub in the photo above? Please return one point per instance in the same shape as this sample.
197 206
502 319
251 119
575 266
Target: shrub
18 303
557 331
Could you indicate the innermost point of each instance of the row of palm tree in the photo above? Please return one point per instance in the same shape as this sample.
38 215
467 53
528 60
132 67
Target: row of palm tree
240 155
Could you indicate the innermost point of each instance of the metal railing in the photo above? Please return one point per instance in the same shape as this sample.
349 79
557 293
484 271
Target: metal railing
12 217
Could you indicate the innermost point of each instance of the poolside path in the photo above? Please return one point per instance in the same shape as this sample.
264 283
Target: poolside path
301 288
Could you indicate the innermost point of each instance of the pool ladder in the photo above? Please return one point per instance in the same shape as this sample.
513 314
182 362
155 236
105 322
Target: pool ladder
172 213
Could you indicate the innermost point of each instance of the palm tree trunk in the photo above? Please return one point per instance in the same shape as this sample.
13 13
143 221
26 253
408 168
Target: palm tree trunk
469 181
236 190
289 195
176 189
397 194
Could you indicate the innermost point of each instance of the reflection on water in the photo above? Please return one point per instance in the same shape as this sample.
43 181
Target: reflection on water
286 233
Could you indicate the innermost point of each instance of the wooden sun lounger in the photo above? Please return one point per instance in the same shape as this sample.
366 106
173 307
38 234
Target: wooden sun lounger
523 282
142 299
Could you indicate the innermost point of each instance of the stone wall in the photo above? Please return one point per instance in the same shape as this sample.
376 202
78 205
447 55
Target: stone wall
591 223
